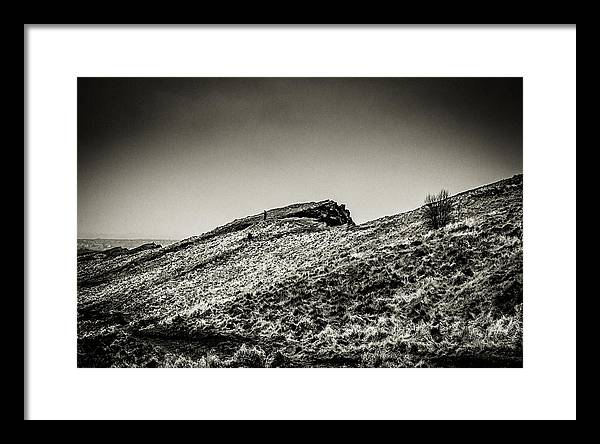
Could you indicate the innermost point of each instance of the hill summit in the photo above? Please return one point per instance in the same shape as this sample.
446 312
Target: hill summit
303 286
328 212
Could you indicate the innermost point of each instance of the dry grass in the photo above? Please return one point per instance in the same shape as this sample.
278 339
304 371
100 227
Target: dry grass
388 293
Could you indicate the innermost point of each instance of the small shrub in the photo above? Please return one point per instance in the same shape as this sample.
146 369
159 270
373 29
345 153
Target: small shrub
375 359
438 210
251 357
279 360
459 278
212 361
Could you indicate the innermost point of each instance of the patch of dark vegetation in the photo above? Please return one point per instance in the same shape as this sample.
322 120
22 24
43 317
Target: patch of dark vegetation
509 296
102 312
478 360
178 332
96 351
279 360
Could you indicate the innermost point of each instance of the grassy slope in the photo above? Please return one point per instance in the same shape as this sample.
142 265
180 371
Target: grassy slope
301 293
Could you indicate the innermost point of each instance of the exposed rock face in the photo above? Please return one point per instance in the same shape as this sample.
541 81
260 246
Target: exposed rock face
327 211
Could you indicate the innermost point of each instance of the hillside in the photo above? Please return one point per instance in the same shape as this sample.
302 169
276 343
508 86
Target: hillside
308 288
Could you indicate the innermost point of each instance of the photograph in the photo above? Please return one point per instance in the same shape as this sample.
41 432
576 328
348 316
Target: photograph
299 222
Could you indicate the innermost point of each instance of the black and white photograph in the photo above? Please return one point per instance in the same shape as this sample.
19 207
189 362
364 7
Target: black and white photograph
300 222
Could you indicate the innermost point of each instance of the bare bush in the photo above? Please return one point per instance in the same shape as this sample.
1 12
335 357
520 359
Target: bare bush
438 210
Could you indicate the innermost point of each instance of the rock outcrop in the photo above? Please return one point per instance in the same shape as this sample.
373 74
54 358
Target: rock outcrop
328 212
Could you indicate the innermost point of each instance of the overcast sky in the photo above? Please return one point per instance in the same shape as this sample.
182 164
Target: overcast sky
176 157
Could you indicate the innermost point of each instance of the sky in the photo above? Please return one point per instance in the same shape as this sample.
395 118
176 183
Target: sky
169 158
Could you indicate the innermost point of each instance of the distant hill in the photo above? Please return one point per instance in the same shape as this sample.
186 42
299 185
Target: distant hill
306 287
105 244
